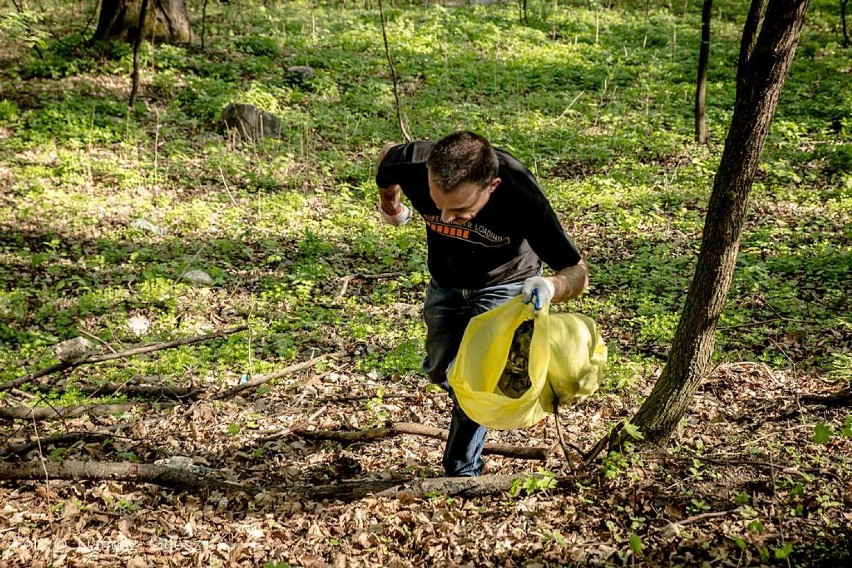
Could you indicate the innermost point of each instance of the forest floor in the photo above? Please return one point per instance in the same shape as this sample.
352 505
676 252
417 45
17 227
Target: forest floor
743 483
106 210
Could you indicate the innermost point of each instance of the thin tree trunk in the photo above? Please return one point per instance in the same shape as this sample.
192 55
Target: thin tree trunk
843 4
763 69
701 89
137 42
203 22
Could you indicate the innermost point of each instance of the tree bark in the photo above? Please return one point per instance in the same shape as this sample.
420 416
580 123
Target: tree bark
137 42
166 21
843 4
701 88
763 69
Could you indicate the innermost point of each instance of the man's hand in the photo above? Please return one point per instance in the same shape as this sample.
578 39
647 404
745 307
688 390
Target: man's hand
539 290
398 218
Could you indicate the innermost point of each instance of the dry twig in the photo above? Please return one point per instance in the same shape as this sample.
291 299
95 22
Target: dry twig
150 348
261 379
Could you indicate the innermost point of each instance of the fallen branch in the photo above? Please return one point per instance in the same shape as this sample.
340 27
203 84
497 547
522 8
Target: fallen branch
48 413
289 431
611 440
355 398
117 471
460 486
151 347
149 391
349 277
257 381
68 438
676 525
449 486
392 430
482 485
176 478
840 398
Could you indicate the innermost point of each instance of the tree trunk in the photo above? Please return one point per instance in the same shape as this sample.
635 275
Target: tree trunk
701 89
843 4
763 68
167 21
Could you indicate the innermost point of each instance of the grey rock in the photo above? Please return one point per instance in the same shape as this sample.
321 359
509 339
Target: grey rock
73 349
300 74
250 122
198 277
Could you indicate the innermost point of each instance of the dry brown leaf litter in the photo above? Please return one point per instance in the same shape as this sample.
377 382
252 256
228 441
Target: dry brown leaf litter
588 520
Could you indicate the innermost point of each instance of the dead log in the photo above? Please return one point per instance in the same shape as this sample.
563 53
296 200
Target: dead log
461 486
163 476
261 379
10 451
468 487
147 391
391 430
176 478
840 398
151 347
48 412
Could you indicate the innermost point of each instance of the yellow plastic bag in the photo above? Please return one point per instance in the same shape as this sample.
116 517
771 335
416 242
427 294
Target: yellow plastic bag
566 356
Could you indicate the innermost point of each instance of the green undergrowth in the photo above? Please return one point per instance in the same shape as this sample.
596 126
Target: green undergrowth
597 101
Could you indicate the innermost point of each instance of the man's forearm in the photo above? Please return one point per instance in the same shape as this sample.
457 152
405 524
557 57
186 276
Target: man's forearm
570 282
389 198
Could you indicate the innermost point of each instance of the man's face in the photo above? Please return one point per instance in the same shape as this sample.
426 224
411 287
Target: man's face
464 203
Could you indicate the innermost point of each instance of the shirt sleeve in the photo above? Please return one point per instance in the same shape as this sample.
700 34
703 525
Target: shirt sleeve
542 228
403 163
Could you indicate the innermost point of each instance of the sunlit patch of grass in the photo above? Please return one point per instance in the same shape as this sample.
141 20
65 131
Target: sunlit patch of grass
597 102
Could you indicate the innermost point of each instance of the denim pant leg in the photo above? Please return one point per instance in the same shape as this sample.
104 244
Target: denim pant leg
447 313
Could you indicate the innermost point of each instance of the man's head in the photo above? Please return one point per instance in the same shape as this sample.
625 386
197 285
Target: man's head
462 175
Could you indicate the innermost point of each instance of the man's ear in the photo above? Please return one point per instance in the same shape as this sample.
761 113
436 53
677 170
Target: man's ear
493 185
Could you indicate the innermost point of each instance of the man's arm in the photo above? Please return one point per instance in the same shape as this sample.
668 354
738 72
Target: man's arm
566 284
395 212
569 282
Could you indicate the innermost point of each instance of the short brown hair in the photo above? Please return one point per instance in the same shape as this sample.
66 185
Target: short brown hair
462 157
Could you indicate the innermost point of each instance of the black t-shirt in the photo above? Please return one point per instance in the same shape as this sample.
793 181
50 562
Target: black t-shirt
505 242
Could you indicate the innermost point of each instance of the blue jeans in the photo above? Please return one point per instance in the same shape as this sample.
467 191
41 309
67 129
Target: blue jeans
447 312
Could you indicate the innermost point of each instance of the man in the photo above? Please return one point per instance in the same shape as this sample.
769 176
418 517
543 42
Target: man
488 229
